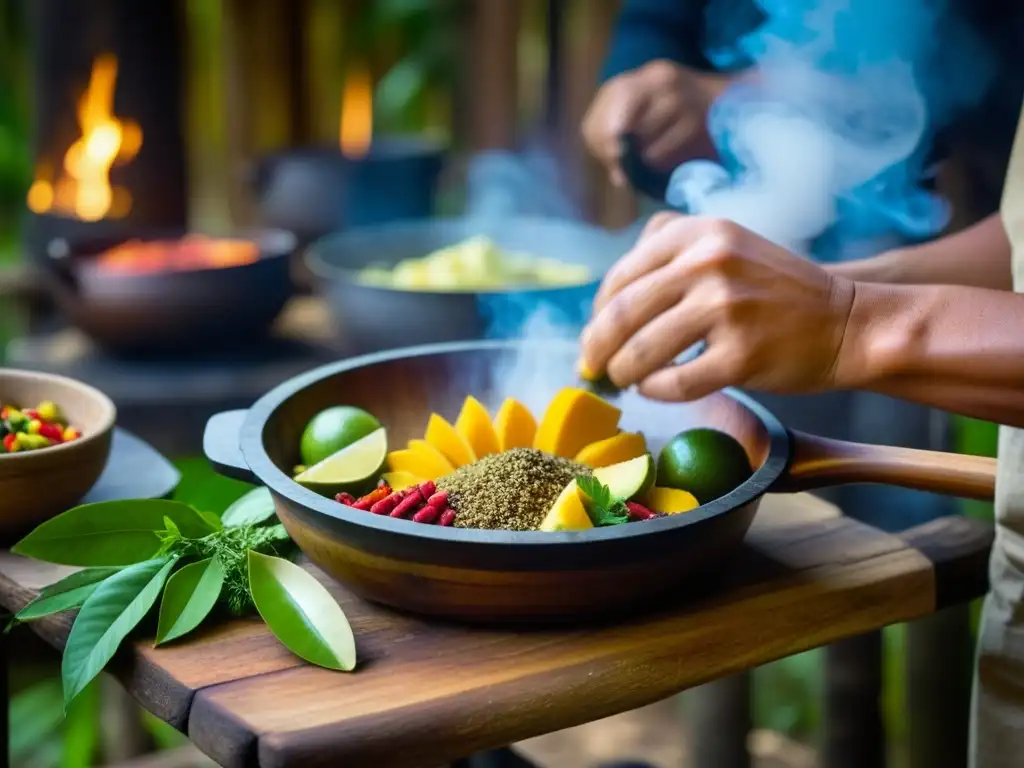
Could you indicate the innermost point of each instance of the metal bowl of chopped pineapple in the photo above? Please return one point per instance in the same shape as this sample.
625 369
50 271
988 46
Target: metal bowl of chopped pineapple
440 280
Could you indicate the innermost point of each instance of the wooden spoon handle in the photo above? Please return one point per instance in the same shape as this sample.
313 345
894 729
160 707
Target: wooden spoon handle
819 462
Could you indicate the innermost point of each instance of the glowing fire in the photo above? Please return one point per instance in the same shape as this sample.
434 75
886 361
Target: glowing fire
191 252
356 114
83 188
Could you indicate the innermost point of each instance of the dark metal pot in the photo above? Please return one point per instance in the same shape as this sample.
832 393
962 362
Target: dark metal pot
373 318
534 576
316 190
169 311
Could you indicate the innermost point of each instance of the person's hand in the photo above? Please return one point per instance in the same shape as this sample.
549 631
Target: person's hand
663 104
772 320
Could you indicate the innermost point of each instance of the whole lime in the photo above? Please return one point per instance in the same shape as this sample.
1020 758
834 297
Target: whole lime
705 462
333 429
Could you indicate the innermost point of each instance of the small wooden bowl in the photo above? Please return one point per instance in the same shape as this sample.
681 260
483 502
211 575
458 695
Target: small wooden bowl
36 485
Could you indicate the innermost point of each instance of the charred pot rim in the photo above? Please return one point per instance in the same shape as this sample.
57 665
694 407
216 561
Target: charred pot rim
529 550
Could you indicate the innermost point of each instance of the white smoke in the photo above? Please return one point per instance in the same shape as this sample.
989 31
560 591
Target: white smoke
798 135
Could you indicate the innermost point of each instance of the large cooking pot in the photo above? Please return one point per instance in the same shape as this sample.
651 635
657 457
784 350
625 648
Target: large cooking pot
506 576
373 318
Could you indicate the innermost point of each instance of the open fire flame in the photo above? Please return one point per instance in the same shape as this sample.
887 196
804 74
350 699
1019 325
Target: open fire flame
356 129
82 187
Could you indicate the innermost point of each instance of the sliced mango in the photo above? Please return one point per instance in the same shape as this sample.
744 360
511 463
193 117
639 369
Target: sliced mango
474 424
399 481
514 425
420 459
612 450
671 501
448 441
422 446
573 420
567 513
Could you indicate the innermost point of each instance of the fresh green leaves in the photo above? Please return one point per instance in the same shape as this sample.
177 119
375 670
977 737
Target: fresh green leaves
113 610
110 533
130 549
69 592
255 507
188 598
301 612
602 507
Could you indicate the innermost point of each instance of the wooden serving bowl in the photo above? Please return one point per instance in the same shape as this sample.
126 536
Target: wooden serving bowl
505 576
36 485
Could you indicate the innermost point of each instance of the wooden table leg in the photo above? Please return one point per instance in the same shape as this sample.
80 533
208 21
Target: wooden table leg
719 723
496 758
5 724
939 666
854 734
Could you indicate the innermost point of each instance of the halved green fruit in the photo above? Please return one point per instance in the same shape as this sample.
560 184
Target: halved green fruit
354 466
628 479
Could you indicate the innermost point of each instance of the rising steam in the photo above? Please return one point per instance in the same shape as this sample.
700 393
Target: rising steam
835 121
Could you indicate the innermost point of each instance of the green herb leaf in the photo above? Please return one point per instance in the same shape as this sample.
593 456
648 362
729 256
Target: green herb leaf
171 528
301 612
69 592
116 607
253 508
211 519
110 533
595 490
601 507
188 598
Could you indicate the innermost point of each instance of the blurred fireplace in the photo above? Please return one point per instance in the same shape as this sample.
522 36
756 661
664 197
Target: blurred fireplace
128 55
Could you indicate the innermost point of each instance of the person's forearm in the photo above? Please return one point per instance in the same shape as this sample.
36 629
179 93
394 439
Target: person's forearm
978 256
956 348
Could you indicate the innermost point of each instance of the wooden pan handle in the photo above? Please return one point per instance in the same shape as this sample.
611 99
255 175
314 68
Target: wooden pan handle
819 462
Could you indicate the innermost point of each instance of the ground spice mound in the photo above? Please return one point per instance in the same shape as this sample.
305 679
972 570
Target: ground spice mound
512 490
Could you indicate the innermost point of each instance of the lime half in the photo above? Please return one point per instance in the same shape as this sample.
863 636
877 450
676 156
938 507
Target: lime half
333 429
352 467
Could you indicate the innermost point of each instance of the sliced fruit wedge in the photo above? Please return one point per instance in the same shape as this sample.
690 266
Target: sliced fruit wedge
670 501
399 481
474 424
448 441
573 420
613 450
434 455
628 479
514 425
567 513
351 467
420 459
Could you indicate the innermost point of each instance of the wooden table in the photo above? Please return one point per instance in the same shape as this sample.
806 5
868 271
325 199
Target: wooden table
426 693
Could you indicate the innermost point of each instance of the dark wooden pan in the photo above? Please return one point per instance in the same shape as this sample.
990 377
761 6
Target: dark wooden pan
505 576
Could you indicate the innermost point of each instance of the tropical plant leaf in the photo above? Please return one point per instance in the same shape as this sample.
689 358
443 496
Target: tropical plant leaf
212 519
255 507
110 533
116 607
301 612
69 592
188 598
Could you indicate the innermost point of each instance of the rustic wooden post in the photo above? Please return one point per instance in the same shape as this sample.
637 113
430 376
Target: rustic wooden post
491 89
588 25
854 736
719 720
939 665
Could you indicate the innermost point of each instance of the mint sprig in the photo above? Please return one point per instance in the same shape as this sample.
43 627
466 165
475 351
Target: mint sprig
604 508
